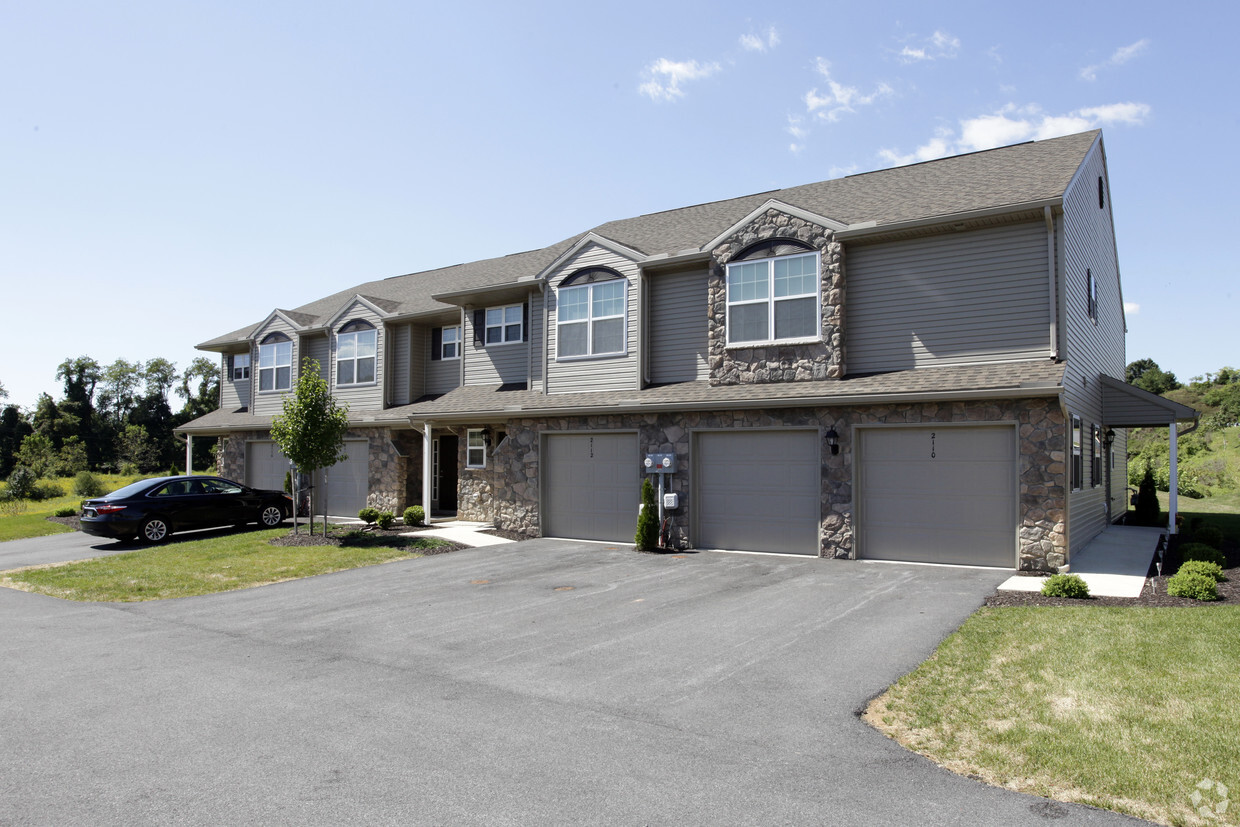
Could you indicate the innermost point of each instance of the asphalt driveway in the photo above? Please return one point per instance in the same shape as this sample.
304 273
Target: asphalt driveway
545 682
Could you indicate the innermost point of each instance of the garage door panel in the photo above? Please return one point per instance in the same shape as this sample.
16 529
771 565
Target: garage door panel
758 490
265 466
347 482
592 486
938 495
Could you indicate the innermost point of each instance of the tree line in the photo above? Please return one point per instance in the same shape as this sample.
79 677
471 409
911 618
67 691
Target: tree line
117 418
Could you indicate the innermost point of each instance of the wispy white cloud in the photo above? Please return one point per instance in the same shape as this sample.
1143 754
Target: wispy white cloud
1120 56
797 129
1013 124
838 99
664 77
1131 308
760 42
937 46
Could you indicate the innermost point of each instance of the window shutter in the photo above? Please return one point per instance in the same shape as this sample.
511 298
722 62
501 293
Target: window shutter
436 344
525 322
480 327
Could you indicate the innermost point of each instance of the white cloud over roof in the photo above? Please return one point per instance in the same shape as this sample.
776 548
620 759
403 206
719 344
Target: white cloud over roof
664 77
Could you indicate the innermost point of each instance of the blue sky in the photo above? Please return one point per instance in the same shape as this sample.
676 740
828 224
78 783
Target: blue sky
173 171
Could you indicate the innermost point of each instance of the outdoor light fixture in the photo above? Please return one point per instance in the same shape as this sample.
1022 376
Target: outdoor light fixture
1109 437
833 439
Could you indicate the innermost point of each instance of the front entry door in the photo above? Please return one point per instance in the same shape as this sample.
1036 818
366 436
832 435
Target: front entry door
445 472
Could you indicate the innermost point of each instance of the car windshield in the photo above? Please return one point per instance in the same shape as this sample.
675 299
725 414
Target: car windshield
130 490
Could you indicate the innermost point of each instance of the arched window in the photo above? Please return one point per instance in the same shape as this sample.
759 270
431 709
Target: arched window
591 315
356 346
275 363
773 294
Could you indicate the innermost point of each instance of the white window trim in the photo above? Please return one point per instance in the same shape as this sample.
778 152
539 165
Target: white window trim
275 368
1076 480
770 301
245 377
443 342
469 448
355 359
503 326
589 321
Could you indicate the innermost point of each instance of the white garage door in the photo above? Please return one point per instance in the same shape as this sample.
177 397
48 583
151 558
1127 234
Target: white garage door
265 466
758 491
591 486
938 495
347 482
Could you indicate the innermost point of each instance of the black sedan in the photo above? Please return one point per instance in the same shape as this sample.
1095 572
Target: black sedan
152 509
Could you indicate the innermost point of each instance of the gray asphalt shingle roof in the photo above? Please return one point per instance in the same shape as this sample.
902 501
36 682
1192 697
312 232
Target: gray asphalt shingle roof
995 178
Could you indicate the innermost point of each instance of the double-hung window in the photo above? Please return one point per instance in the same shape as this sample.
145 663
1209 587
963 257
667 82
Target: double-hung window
773 300
275 363
504 324
475 449
356 345
241 367
590 319
450 342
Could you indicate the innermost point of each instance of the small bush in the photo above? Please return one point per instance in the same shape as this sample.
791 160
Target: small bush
67 511
86 484
415 515
47 490
1147 512
1213 570
22 483
647 538
173 471
1210 535
1065 585
385 520
129 469
1196 586
368 515
1200 551
288 482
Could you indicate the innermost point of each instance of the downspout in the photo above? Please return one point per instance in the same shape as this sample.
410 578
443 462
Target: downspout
546 334
643 369
463 352
1051 281
426 471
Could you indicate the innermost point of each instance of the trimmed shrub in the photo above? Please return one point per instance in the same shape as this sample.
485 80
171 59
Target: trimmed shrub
1196 586
1200 551
46 490
385 520
368 515
647 538
22 483
86 484
67 511
1065 585
1213 570
1210 535
415 515
1146 511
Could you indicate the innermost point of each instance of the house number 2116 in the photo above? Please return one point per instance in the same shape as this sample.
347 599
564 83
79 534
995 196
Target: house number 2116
932 435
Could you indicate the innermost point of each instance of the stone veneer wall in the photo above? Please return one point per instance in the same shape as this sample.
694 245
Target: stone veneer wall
777 363
506 492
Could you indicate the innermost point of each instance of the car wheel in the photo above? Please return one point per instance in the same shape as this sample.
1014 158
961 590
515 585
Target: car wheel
272 516
155 530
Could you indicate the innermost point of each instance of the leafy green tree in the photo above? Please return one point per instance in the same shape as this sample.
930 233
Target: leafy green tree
37 454
1148 376
118 392
4 394
200 388
1227 399
311 430
133 446
13 429
71 459
160 375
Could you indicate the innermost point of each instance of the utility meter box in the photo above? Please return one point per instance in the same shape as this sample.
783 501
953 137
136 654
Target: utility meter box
660 463
671 501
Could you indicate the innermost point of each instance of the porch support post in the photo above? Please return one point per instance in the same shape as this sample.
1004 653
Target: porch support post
426 471
189 453
1174 488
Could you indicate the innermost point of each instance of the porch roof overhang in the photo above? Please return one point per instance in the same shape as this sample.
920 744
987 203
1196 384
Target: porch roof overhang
1126 406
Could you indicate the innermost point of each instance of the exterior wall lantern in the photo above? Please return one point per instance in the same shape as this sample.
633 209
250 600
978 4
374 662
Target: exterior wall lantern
833 439
1109 437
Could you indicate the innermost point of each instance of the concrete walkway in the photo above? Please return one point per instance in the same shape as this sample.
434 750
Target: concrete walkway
464 532
1113 564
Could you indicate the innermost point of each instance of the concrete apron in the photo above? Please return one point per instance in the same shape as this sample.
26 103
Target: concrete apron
1113 564
463 532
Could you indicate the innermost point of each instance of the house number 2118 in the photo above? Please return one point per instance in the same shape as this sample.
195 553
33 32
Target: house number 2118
932 444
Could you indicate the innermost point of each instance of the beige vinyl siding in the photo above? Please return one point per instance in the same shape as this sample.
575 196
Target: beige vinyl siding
419 345
272 402
233 395
442 375
969 297
502 364
398 358
315 347
1087 242
360 397
677 327
605 373
537 340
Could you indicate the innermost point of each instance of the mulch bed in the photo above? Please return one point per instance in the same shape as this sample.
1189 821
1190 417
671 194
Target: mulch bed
1154 593
74 523
336 533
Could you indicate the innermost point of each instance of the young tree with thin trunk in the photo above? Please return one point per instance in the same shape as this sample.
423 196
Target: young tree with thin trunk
311 430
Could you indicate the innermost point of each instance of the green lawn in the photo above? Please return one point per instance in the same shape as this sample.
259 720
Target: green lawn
186 567
20 519
1123 708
